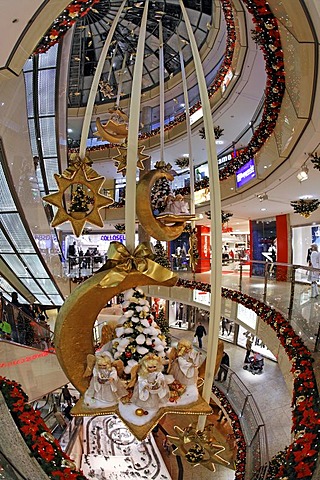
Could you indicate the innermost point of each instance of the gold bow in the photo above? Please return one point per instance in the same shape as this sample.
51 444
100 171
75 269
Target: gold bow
121 262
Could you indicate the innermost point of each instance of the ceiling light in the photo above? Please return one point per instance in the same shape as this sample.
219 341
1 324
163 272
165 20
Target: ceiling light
263 197
263 209
303 174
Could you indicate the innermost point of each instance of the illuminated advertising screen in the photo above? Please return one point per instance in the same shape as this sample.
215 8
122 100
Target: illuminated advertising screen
246 173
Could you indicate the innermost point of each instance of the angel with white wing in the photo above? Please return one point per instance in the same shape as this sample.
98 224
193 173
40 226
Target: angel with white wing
105 389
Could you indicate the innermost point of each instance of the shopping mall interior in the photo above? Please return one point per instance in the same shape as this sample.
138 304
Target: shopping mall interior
159 235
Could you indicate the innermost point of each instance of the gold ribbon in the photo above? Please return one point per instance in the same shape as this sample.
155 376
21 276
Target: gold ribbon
121 262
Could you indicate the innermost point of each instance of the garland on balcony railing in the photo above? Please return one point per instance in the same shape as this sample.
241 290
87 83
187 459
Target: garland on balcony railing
299 461
69 16
43 446
240 462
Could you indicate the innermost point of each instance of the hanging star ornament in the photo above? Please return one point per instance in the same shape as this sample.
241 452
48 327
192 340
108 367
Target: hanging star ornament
121 158
79 178
197 447
106 89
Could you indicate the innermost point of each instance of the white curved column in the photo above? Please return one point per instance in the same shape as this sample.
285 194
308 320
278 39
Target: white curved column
216 227
133 132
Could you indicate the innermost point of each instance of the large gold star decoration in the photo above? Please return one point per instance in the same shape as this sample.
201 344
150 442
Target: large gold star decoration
197 447
79 177
200 407
121 159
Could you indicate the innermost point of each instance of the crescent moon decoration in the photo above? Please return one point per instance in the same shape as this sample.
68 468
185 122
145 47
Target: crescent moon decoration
110 132
158 229
78 177
74 341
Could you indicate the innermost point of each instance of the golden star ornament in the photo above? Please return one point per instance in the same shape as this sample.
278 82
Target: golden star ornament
197 447
94 184
121 159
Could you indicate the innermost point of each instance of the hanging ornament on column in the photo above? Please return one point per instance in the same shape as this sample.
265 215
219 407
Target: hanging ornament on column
106 89
121 158
86 201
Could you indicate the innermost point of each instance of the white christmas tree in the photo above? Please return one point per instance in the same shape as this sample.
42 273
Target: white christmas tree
137 333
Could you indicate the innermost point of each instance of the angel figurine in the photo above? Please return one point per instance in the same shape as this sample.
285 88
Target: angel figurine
151 389
184 362
105 387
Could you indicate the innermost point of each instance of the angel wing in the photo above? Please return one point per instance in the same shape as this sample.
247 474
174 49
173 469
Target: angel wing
118 364
172 356
91 360
133 375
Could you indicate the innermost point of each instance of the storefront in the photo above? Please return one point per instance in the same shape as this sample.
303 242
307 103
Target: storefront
302 239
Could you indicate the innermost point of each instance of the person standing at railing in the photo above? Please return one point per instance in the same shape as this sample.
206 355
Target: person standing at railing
315 262
5 330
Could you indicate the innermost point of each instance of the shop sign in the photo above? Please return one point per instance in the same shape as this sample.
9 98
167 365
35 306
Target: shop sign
201 297
113 237
245 173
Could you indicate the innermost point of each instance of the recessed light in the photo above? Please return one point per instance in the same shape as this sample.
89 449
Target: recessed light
263 209
231 188
219 142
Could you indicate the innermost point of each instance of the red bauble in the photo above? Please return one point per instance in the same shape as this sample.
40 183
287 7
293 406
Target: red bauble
150 321
128 354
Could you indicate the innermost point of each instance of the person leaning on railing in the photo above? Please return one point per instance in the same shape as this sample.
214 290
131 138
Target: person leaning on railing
5 330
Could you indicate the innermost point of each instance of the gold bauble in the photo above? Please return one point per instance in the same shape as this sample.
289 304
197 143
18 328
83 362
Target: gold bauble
139 412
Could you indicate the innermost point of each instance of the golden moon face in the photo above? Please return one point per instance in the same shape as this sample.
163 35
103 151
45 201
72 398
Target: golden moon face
155 228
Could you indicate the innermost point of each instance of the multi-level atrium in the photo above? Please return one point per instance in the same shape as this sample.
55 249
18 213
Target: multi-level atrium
192 125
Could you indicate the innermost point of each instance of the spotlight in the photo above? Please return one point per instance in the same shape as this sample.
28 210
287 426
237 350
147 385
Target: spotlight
263 197
303 174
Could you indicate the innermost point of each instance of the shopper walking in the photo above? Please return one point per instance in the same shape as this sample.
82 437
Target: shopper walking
224 365
200 331
248 349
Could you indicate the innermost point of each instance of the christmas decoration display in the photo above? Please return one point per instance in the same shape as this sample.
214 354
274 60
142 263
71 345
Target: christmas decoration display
106 89
197 447
105 387
225 216
80 201
305 207
182 162
81 174
121 158
301 456
193 250
120 227
43 446
223 70
137 333
218 132
161 189
315 160
163 324
169 225
112 131
161 256
69 16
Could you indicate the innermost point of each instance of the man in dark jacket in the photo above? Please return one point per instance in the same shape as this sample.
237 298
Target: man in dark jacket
200 331
224 366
